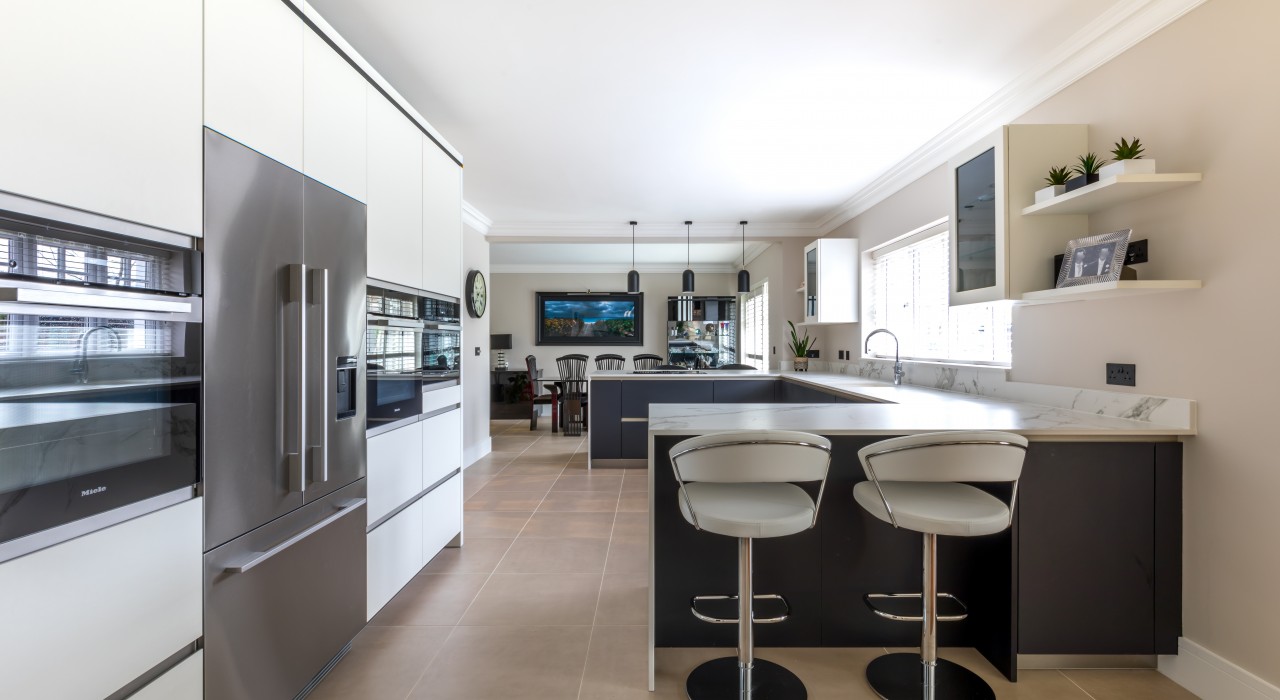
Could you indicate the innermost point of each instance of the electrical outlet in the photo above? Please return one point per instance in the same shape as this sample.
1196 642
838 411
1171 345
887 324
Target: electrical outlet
1122 375
839 354
477 351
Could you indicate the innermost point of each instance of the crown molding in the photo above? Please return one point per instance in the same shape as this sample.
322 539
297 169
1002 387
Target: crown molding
609 269
475 218
1112 33
666 231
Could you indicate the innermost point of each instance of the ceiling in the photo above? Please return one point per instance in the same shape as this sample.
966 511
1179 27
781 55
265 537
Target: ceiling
576 112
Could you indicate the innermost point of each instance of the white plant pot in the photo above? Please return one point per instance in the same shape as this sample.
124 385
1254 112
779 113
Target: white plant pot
1135 166
1047 193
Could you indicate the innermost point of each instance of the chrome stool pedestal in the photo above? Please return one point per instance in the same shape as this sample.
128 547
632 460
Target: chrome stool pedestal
906 677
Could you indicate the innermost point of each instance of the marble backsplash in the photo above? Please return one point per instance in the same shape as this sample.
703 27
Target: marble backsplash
990 382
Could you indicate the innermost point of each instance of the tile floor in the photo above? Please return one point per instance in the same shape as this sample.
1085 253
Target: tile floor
548 599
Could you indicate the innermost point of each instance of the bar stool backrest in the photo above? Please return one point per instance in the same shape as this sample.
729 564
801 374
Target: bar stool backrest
646 361
961 456
752 456
611 362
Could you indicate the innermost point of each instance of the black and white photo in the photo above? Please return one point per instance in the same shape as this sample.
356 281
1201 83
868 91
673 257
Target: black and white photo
1094 259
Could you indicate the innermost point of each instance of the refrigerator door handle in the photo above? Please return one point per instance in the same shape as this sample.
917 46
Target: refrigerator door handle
320 295
298 296
252 559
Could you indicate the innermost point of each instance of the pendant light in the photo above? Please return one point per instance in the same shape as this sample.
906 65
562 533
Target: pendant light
744 277
633 277
686 285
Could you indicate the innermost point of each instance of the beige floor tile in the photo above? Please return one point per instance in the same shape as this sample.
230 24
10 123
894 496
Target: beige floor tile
628 555
633 502
535 599
535 555
1136 684
574 502
484 467
631 525
617 665
1031 685
544 458
384 662
504 500
827 673
635 482
431 599
477 556
594 482
493 523
520 467
557 524
672 667
471 484
494 663
624 600
531 483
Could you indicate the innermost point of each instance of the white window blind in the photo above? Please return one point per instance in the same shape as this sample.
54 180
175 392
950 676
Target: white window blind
755 327
908 295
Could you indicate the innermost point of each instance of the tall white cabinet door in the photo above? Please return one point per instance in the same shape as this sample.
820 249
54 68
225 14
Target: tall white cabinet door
102 107
253 60
395 194
334 119
441 221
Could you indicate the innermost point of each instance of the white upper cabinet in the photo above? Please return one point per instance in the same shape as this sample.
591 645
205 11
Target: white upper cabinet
441 221
334 119
102 107
831 281
394 195
253 76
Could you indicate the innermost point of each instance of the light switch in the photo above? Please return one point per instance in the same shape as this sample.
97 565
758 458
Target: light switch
477 351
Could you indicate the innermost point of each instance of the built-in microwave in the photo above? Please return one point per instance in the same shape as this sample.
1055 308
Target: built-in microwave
100 377
413 345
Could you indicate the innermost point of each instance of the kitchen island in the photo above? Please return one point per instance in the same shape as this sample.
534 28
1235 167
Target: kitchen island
1091 566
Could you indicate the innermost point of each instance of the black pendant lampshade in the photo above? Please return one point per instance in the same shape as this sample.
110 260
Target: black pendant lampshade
744 277
686 280
633 277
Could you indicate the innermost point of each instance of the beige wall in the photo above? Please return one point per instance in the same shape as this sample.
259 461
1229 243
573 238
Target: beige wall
1203 95
781 265
475 370
513 310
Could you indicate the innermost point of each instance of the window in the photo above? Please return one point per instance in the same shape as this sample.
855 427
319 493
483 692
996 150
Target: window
907 293
755 327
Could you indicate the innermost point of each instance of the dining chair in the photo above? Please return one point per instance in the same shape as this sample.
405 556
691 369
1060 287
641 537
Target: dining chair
611 362
538 398
573 379
646 361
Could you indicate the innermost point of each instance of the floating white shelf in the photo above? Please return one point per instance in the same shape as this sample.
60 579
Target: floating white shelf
1110 191
825 323
800 290
1106 290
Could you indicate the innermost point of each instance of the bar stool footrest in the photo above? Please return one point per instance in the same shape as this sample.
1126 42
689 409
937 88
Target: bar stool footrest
693 606
913 618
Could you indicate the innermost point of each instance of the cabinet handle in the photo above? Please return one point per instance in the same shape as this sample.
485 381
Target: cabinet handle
252 559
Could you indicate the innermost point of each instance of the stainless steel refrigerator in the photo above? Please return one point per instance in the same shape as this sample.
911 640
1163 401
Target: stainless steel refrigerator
284 423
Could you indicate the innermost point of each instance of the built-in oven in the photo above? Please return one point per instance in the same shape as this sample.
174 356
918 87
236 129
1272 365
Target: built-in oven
100 377
413 345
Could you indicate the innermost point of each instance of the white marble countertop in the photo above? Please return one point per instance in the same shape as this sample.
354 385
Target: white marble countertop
93 386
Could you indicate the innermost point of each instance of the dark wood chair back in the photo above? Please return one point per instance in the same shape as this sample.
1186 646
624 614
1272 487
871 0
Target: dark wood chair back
573 377
611 362
736 366
646 361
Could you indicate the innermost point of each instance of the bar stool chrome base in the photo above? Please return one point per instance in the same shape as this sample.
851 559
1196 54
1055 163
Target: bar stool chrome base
718 679
901 677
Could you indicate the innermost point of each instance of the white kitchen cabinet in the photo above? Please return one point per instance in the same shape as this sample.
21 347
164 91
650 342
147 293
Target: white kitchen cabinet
831 281
395 469
253 76
441 446
441 517
182 682
85 618
334 119
395 556
394 194
441 221
103 107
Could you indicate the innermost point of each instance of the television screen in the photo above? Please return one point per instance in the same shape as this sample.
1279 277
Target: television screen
590 319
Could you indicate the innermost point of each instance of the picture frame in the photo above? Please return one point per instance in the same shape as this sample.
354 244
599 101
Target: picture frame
602 319
1094 259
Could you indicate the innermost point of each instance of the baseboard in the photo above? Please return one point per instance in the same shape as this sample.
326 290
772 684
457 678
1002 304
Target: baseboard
472 453
1212 677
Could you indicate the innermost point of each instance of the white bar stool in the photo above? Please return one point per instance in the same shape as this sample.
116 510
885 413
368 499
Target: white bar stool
913 485
739 484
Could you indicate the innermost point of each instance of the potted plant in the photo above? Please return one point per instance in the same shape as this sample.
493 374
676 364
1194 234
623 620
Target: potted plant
1086 171
1128 160
800 348
1057 183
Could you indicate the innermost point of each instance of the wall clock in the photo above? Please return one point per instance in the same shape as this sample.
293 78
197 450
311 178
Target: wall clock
477 294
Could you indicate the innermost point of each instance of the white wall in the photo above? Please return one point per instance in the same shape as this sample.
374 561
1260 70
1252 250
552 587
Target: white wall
1201 95
514 313
782 265
475 370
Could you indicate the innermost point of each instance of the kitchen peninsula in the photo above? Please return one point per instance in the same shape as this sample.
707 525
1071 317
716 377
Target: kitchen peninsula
1092 565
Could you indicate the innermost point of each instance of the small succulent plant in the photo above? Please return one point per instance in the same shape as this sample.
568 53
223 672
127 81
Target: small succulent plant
1127 150
1058 175
800 347
1089 164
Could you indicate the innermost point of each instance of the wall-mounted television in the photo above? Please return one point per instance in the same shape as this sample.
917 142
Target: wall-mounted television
567 318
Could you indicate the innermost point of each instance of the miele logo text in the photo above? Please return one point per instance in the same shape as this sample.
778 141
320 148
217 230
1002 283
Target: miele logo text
90 492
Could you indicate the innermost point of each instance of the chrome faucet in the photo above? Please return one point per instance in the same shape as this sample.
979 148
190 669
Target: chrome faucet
897 364
80 368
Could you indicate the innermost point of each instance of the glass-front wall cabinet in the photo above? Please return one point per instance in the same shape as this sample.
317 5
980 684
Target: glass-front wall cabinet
975 258
810 283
